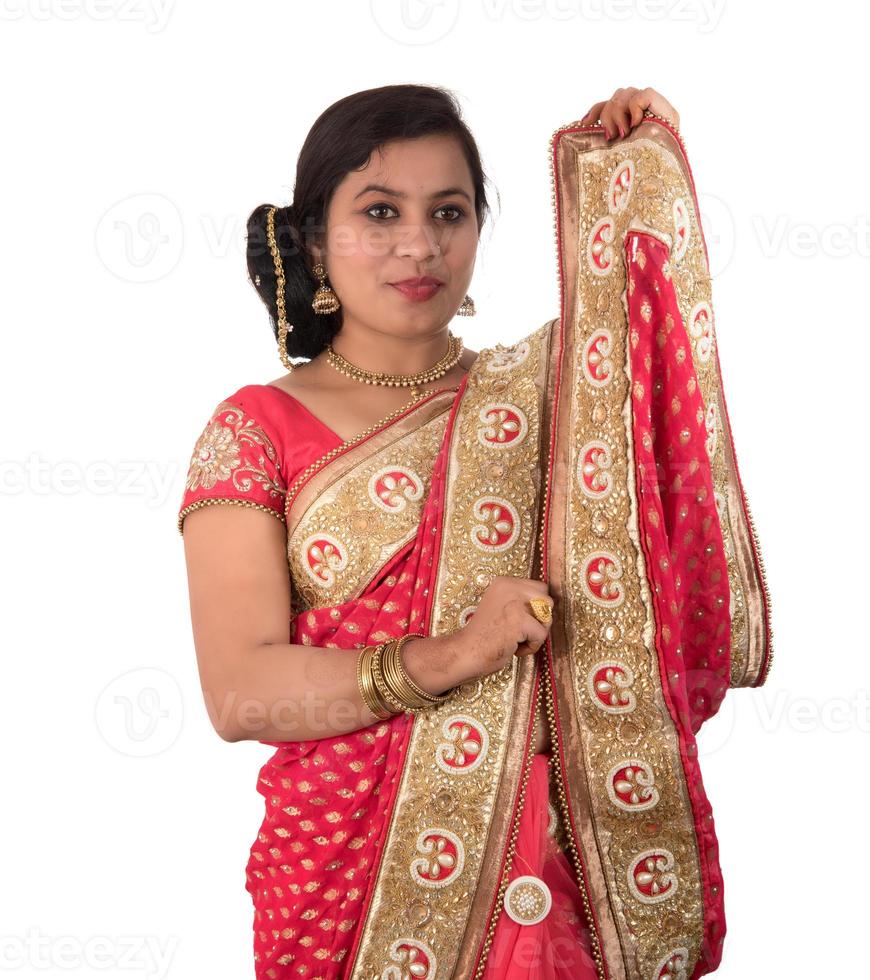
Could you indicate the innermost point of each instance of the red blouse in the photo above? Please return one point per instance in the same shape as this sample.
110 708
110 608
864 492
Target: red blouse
255 443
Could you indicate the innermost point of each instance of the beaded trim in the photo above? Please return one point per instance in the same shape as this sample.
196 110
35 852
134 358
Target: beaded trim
309 470
224 500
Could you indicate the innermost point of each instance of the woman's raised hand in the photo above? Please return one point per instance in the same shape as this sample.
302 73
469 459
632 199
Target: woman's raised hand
503 625
624 110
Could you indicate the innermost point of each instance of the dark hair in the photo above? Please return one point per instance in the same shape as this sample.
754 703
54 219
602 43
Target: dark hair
343 139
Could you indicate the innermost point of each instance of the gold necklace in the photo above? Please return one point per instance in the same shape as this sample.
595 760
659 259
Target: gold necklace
454 352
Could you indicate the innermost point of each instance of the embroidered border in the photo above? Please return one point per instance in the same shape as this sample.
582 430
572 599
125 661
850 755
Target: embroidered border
624 754
443 812
349 532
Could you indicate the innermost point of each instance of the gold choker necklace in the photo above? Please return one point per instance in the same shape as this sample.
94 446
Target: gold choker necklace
454 352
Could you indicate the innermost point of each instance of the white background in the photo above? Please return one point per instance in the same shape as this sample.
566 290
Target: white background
137 139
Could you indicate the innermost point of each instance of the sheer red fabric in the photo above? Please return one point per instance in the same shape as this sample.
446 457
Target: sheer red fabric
671 433
559 946
681 535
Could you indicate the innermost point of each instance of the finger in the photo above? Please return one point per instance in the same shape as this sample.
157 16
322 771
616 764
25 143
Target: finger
537 633
620 113
541 588
610 114
537 636
593 115
622 110
658 104
623 120
638 102
529 647
616 115
608 121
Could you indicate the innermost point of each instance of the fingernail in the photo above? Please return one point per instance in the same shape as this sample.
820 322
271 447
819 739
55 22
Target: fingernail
621 131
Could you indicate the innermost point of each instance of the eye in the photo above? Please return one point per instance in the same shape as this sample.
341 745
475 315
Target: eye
375 207
452 207
459 213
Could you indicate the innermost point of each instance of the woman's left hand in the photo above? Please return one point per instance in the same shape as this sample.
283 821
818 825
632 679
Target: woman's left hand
624 110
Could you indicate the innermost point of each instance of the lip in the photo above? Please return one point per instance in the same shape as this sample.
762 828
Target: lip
421 288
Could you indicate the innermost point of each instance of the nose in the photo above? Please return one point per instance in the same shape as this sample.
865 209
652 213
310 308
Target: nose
418 241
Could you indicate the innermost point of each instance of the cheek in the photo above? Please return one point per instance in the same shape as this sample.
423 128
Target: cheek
460 246
355 266
461 256
359 245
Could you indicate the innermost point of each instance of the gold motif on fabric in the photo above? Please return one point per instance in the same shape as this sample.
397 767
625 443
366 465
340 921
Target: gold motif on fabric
350 531
445 803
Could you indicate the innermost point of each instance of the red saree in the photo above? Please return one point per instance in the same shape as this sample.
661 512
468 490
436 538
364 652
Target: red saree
597 448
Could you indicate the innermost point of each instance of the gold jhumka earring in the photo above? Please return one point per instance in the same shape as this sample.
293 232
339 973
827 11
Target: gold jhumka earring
325 300
467 307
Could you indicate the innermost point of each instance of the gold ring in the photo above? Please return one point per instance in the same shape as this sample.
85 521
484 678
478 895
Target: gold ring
542 610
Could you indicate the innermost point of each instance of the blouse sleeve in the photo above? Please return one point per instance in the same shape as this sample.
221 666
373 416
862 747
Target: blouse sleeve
236 461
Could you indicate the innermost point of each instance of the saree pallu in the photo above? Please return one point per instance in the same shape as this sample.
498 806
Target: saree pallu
598 450
558 946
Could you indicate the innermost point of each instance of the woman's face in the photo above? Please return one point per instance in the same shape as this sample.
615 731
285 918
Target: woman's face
376 237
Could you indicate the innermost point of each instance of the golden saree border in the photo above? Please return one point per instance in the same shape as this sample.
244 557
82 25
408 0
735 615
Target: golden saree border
445 854
352 515
643 869
650 178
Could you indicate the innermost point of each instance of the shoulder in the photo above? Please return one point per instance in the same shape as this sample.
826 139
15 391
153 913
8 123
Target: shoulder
282 418
255 442
256 398
251 413
238 457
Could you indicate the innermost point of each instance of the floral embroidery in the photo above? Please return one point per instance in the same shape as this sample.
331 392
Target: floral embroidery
500 525
233 447
651 877
215 457
415 960
465 745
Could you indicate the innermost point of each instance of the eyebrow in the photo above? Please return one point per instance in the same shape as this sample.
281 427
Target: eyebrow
381 188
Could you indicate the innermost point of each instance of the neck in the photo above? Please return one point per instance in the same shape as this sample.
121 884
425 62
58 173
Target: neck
387 352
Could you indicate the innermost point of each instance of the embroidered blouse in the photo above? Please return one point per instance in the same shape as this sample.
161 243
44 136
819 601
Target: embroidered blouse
254 444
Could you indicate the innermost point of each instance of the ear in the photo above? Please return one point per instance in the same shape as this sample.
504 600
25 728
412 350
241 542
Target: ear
316 254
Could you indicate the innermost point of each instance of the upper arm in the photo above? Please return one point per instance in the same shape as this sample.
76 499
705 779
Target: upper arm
232 520
240 598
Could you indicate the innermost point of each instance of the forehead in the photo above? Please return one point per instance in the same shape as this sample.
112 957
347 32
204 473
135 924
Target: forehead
415 167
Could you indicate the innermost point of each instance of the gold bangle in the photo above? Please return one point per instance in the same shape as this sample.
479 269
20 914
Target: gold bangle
362 677
417 691
368 689
383 687
399 692
386 705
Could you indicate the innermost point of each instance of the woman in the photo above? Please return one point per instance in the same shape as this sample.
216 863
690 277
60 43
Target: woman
573 496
